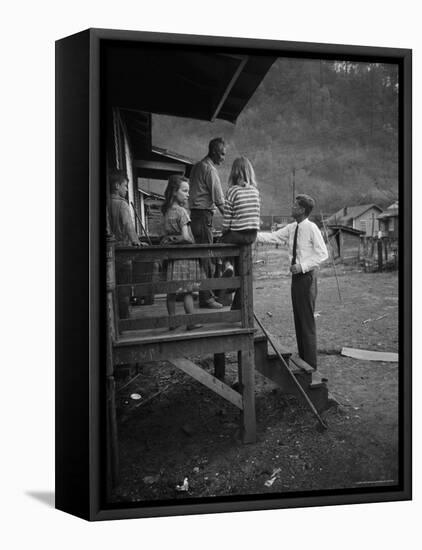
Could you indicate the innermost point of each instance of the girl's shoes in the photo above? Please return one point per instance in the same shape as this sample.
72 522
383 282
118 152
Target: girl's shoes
228 270
193 327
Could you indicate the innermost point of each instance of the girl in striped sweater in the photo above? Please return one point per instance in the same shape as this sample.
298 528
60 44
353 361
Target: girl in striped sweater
241 211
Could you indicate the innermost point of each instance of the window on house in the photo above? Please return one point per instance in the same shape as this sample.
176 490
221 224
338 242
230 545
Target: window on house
362 225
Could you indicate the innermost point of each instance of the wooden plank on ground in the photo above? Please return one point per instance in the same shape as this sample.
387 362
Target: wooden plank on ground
367 355
209 381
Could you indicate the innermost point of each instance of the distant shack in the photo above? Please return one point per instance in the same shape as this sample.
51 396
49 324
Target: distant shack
365 234
345 242
389 221
362 217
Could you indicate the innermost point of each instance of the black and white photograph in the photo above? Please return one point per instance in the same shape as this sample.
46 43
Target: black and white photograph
252 224
210 275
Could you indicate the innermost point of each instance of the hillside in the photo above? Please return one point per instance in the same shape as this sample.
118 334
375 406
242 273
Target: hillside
331 127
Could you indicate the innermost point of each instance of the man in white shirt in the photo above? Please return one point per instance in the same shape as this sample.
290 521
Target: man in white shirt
307 251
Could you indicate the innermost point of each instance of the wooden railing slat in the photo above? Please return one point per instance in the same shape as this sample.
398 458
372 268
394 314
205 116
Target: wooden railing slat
159 253
146 323
166 287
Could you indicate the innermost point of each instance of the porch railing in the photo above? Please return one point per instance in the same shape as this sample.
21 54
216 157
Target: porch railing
147 282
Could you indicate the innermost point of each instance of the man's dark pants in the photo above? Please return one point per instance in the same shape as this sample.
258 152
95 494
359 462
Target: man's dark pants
304 293
201 225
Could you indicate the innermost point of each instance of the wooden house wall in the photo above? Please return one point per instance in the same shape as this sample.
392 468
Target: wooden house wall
153 217
367 222
132 187
390 227
334 241
349 245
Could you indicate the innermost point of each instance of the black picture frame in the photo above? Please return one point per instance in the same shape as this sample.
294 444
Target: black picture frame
80 283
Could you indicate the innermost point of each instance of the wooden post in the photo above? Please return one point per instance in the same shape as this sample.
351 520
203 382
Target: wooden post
379 249
293 185
246 288
246 357
112 436
220 366
112 433
246 368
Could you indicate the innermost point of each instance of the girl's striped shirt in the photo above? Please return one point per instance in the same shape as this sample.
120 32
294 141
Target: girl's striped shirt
241 208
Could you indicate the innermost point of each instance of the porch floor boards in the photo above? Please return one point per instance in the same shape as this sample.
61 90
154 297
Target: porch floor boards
164 334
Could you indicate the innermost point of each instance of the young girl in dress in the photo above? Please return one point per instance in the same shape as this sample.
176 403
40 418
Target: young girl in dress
241 211
176 225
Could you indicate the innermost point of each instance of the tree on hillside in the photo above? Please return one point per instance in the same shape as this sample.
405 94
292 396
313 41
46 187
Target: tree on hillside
334 124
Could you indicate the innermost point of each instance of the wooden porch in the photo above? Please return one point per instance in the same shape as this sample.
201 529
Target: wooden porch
143 335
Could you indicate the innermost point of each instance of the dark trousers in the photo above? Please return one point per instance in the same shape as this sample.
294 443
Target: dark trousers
201 226
304 293
241 238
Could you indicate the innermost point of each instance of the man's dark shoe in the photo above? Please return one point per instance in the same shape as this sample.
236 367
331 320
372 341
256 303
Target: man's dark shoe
193 327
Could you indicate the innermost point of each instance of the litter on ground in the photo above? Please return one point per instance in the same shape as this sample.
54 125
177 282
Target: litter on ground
273 477
184 487
376 319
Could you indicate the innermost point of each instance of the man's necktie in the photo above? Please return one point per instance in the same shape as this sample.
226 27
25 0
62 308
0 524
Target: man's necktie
295 245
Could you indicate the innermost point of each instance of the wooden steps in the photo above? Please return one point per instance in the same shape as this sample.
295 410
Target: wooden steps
269 365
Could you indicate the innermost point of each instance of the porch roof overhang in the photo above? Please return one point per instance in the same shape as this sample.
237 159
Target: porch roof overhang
160 164
182 81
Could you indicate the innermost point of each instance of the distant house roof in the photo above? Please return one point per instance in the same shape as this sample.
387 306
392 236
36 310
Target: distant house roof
391 212
345 228
349 213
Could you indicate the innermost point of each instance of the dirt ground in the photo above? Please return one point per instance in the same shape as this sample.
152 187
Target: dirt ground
180 429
